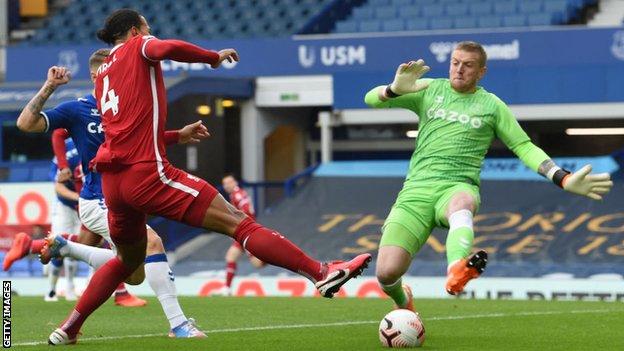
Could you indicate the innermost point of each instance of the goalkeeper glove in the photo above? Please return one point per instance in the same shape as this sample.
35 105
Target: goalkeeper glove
406 78
583 183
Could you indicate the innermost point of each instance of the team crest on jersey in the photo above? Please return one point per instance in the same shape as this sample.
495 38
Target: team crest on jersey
617 48
439 99
69 59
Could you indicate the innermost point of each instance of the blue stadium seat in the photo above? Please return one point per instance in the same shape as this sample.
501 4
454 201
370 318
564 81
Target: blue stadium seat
441 23
346 27
378 3
456 9
370 26
505 7
529 6
514 21
540 19
480 8
432 10
489 21
401 3
465 22
386 13
19 174
419 23
393 25
363 13
560 9
409 12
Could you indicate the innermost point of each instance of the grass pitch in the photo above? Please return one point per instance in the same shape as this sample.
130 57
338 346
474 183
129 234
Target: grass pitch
321 324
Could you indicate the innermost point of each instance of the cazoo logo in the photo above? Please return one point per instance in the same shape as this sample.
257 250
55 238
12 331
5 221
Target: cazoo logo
452 116
340 55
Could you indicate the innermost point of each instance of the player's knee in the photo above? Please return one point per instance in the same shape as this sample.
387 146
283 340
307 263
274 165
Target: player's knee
154 243
387 275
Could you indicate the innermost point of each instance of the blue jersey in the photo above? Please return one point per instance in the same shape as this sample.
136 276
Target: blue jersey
82 119
74 161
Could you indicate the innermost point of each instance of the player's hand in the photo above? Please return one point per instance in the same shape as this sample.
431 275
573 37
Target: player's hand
226 54
407 75
193 133
64 175
58 76
583 183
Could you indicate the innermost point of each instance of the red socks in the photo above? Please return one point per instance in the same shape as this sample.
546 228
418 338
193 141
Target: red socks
36 246
230 271
100 288
272 247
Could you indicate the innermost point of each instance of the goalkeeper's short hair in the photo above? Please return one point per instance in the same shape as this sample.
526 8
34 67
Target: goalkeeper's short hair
473 46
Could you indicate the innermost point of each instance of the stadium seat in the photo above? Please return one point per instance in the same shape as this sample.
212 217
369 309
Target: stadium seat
540 19
560 9
441 23
401 3
385 13
505 7
527 7
432 10
456 9
378 3
346 27
363 13
393 25
19 174
418 23
480 8
409 12
514 21
489 22
465 22
370 26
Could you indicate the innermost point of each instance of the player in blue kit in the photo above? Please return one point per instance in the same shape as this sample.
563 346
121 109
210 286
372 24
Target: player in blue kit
82 119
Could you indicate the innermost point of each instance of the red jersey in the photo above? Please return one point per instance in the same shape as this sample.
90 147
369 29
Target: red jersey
131 96
241 200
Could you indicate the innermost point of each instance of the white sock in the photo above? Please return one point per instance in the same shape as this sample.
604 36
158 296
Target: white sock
71 266
93 256
53 275
160 279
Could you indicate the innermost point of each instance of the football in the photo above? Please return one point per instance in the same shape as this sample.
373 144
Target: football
401 328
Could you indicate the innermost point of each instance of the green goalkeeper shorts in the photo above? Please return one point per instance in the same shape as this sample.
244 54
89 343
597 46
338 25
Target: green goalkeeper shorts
418 209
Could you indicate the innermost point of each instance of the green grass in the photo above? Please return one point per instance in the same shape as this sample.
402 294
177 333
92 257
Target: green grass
306 324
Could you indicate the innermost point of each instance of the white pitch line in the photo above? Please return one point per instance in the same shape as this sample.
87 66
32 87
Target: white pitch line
333 324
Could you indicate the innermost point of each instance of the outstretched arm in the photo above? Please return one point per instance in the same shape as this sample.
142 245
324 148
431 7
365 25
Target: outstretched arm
406 89
189 134
182 51
30 119
580 182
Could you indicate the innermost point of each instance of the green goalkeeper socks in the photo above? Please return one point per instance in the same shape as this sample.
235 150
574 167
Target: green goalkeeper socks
396 292
459 243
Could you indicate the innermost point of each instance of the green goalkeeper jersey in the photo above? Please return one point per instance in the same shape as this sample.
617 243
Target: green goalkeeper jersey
456 130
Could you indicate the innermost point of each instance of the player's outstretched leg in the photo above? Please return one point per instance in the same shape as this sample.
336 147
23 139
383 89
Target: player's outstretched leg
392 263
161 279
271 247
21 247
462 268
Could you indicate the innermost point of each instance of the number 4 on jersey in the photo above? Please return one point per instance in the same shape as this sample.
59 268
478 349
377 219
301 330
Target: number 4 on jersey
113 100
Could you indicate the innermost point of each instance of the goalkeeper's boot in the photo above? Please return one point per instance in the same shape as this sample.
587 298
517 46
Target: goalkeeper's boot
187 329
410 299
60 337
339 272
20 248
464 270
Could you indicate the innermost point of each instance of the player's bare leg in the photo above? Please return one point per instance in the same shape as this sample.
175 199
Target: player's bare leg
273 248
462 267
392 263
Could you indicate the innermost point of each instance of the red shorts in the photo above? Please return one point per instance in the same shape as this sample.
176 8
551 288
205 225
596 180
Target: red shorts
142 189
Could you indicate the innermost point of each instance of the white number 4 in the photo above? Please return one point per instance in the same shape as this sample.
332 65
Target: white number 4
113 100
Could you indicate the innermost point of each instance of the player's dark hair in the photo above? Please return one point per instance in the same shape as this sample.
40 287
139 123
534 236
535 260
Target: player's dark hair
472 46
98 57
228 174
118 24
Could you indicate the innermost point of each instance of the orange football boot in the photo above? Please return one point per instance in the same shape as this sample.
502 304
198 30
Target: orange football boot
464 270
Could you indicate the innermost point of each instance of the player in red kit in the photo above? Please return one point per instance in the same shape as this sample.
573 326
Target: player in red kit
137 178
241 200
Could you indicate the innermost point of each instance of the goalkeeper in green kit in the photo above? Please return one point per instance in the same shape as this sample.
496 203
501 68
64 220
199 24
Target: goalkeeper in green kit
457 122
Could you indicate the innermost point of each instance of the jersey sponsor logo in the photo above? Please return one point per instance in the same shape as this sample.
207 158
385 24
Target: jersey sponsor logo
617 47
453 116
95 128
341 55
